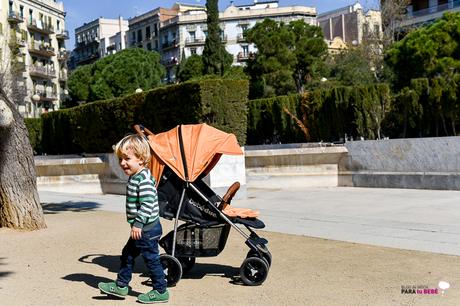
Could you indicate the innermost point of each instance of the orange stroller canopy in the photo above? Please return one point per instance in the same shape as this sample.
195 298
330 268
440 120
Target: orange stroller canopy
203 145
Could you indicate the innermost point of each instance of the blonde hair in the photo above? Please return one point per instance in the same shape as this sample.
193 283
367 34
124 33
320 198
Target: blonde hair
138 144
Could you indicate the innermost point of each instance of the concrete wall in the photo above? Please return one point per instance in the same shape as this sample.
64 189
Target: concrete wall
422 163
299 165
100 173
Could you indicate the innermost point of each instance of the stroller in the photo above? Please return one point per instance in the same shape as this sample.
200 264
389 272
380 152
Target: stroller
181 158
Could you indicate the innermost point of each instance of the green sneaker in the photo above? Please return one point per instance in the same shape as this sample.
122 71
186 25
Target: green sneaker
153 297
112 289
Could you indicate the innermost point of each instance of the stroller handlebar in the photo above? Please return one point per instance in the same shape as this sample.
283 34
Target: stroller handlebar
142 130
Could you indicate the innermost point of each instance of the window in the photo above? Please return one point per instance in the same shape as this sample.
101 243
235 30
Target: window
376 29
149 46
133 36
31 13
58 25
139 35
21 11
192 51
155 29
147 32
192 35
205 33
11 6
245 51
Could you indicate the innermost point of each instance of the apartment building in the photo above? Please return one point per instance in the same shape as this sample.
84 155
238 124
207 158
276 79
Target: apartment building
34 55
181 31
97 39
420 12
349 25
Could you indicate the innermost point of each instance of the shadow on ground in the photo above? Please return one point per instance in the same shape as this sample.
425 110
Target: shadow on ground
54 208
199 270
4 273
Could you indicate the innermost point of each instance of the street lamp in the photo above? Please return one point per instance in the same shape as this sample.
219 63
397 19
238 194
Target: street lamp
139 90
35 100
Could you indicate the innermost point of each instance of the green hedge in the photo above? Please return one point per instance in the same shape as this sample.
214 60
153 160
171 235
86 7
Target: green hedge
34 127
325 114
96 126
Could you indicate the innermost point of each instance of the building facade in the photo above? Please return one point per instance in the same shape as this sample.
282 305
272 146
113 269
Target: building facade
349 24
182 30
34 55
97 39
420 12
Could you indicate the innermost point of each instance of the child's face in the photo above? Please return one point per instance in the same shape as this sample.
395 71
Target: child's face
130 163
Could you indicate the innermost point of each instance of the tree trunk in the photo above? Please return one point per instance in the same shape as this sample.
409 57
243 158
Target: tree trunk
19 202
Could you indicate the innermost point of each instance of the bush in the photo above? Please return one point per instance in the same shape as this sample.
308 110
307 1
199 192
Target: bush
34 127
96 126
324 115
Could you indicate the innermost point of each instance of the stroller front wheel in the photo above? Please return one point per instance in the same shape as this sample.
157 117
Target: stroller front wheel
253 271
172 269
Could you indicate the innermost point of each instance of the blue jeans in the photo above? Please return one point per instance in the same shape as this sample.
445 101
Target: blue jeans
147 246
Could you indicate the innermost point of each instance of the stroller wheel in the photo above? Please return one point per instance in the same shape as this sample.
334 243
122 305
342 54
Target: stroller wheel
172 269
187 263
265 256
253 271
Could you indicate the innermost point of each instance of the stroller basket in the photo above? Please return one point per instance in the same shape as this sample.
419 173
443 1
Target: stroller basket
196 241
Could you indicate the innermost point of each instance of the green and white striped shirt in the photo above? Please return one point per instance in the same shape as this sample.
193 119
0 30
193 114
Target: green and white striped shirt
141 199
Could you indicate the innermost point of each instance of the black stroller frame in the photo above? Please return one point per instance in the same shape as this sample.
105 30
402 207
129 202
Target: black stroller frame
180 257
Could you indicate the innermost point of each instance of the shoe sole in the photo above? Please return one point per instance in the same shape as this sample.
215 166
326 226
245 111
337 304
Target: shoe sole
155 302
112 293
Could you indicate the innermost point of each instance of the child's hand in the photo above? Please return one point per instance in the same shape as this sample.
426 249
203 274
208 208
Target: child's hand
136 233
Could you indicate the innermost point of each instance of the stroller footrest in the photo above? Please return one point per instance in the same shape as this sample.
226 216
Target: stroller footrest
250 222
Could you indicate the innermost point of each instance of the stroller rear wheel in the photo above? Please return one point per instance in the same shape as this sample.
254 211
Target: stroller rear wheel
254 271
172 268
187 263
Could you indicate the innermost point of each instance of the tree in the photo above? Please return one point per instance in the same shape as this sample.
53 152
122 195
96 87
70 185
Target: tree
19 201
190 68
393 13
79 83
216 59
432 52
310 51
352 66
288 57
116 75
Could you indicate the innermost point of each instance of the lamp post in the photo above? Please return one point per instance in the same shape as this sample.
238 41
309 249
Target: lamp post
35 100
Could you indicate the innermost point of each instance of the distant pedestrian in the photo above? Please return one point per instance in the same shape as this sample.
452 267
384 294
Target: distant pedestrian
142 213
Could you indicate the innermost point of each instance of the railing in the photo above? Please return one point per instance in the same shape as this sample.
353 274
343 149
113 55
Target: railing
241 38
434 9
42 71
46 94
39 26
15 17
63 55
43 49
63 75
62 34
169 44
194 40
241 57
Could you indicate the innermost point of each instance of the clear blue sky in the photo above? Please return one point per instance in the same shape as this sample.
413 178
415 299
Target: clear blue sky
81 11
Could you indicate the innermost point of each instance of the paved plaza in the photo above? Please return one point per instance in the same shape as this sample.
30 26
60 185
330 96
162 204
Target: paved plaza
330 246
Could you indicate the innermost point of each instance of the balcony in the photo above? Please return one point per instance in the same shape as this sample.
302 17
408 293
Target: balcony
17 42
243 57
63 75
42 49
42 72
241 38
40 27
169 45
62 34
15 17
63 55
46 95
195 41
